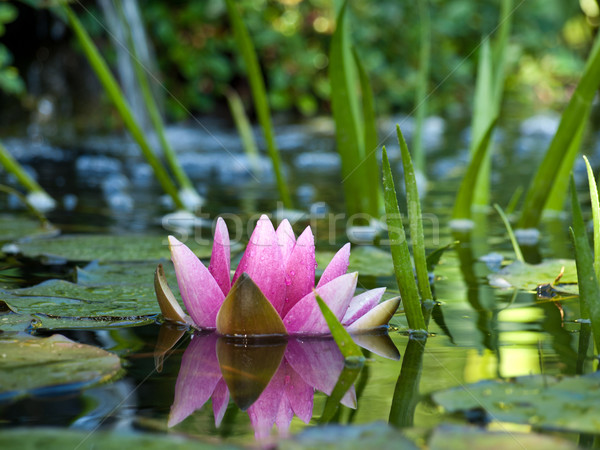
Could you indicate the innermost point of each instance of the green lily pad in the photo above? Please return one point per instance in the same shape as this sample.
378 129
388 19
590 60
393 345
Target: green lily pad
104 248
358 437
31 365
570 403
455 437
16 227
366 260
61 438
528 277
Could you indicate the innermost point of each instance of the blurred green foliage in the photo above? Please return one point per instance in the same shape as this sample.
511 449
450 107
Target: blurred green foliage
196 54
10 81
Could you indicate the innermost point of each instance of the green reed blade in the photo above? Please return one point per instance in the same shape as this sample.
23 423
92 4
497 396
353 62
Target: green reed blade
348 132
421 89
244 129
114 93
595 215
589 290
400 255
341 337
154 113
464 198
415 220
560 188
570 122
12 166
511 234
371 169
261 102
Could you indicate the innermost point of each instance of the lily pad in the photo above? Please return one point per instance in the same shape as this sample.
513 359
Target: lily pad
528 276
15 227
454 437
61 438
366 260
104 248
33 365
570 403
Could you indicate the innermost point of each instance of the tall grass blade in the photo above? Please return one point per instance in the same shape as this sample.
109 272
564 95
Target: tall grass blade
560 188
570 122
421 90
244 129
589 290
189 195
261 103
371 168
414 219
12 166
400 255
341 337
348 134
464 198
114 93
511 234
484 112
595 215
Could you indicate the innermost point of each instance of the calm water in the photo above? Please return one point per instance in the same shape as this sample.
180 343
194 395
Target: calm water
485 333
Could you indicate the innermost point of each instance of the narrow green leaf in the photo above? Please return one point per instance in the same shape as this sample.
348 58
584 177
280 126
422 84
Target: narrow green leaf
370 134
511 235
595 215
570 122
421 90
400 254
589 290
261 103
347 126
12 166
114 93
560 187
244 129
345 381
343 340
464 198
414 219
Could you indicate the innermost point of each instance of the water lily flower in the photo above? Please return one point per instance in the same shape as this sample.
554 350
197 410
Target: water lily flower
271 382
273 289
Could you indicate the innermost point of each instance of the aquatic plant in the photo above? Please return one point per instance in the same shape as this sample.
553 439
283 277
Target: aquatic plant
273 289
261 103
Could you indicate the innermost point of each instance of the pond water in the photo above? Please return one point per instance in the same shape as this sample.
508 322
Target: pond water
479 332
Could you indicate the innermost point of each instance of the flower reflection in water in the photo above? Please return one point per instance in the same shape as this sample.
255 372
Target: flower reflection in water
272 381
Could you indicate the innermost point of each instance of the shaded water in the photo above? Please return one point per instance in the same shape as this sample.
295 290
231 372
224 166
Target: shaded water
480 332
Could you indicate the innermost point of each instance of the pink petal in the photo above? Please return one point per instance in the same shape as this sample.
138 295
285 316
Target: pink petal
306 317
300 270
220 400
337 266
284 417
263 413
200 293
362 304
220 265
198 376
263 262
286 239
318 362
299 394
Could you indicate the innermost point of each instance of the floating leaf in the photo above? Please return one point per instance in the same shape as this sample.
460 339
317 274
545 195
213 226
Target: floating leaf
105 248
33 365
456 437
528 276
15 227
571 403
62 438
368 261
247 312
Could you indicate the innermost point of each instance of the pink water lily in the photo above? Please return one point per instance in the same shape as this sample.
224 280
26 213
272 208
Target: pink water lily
273 289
